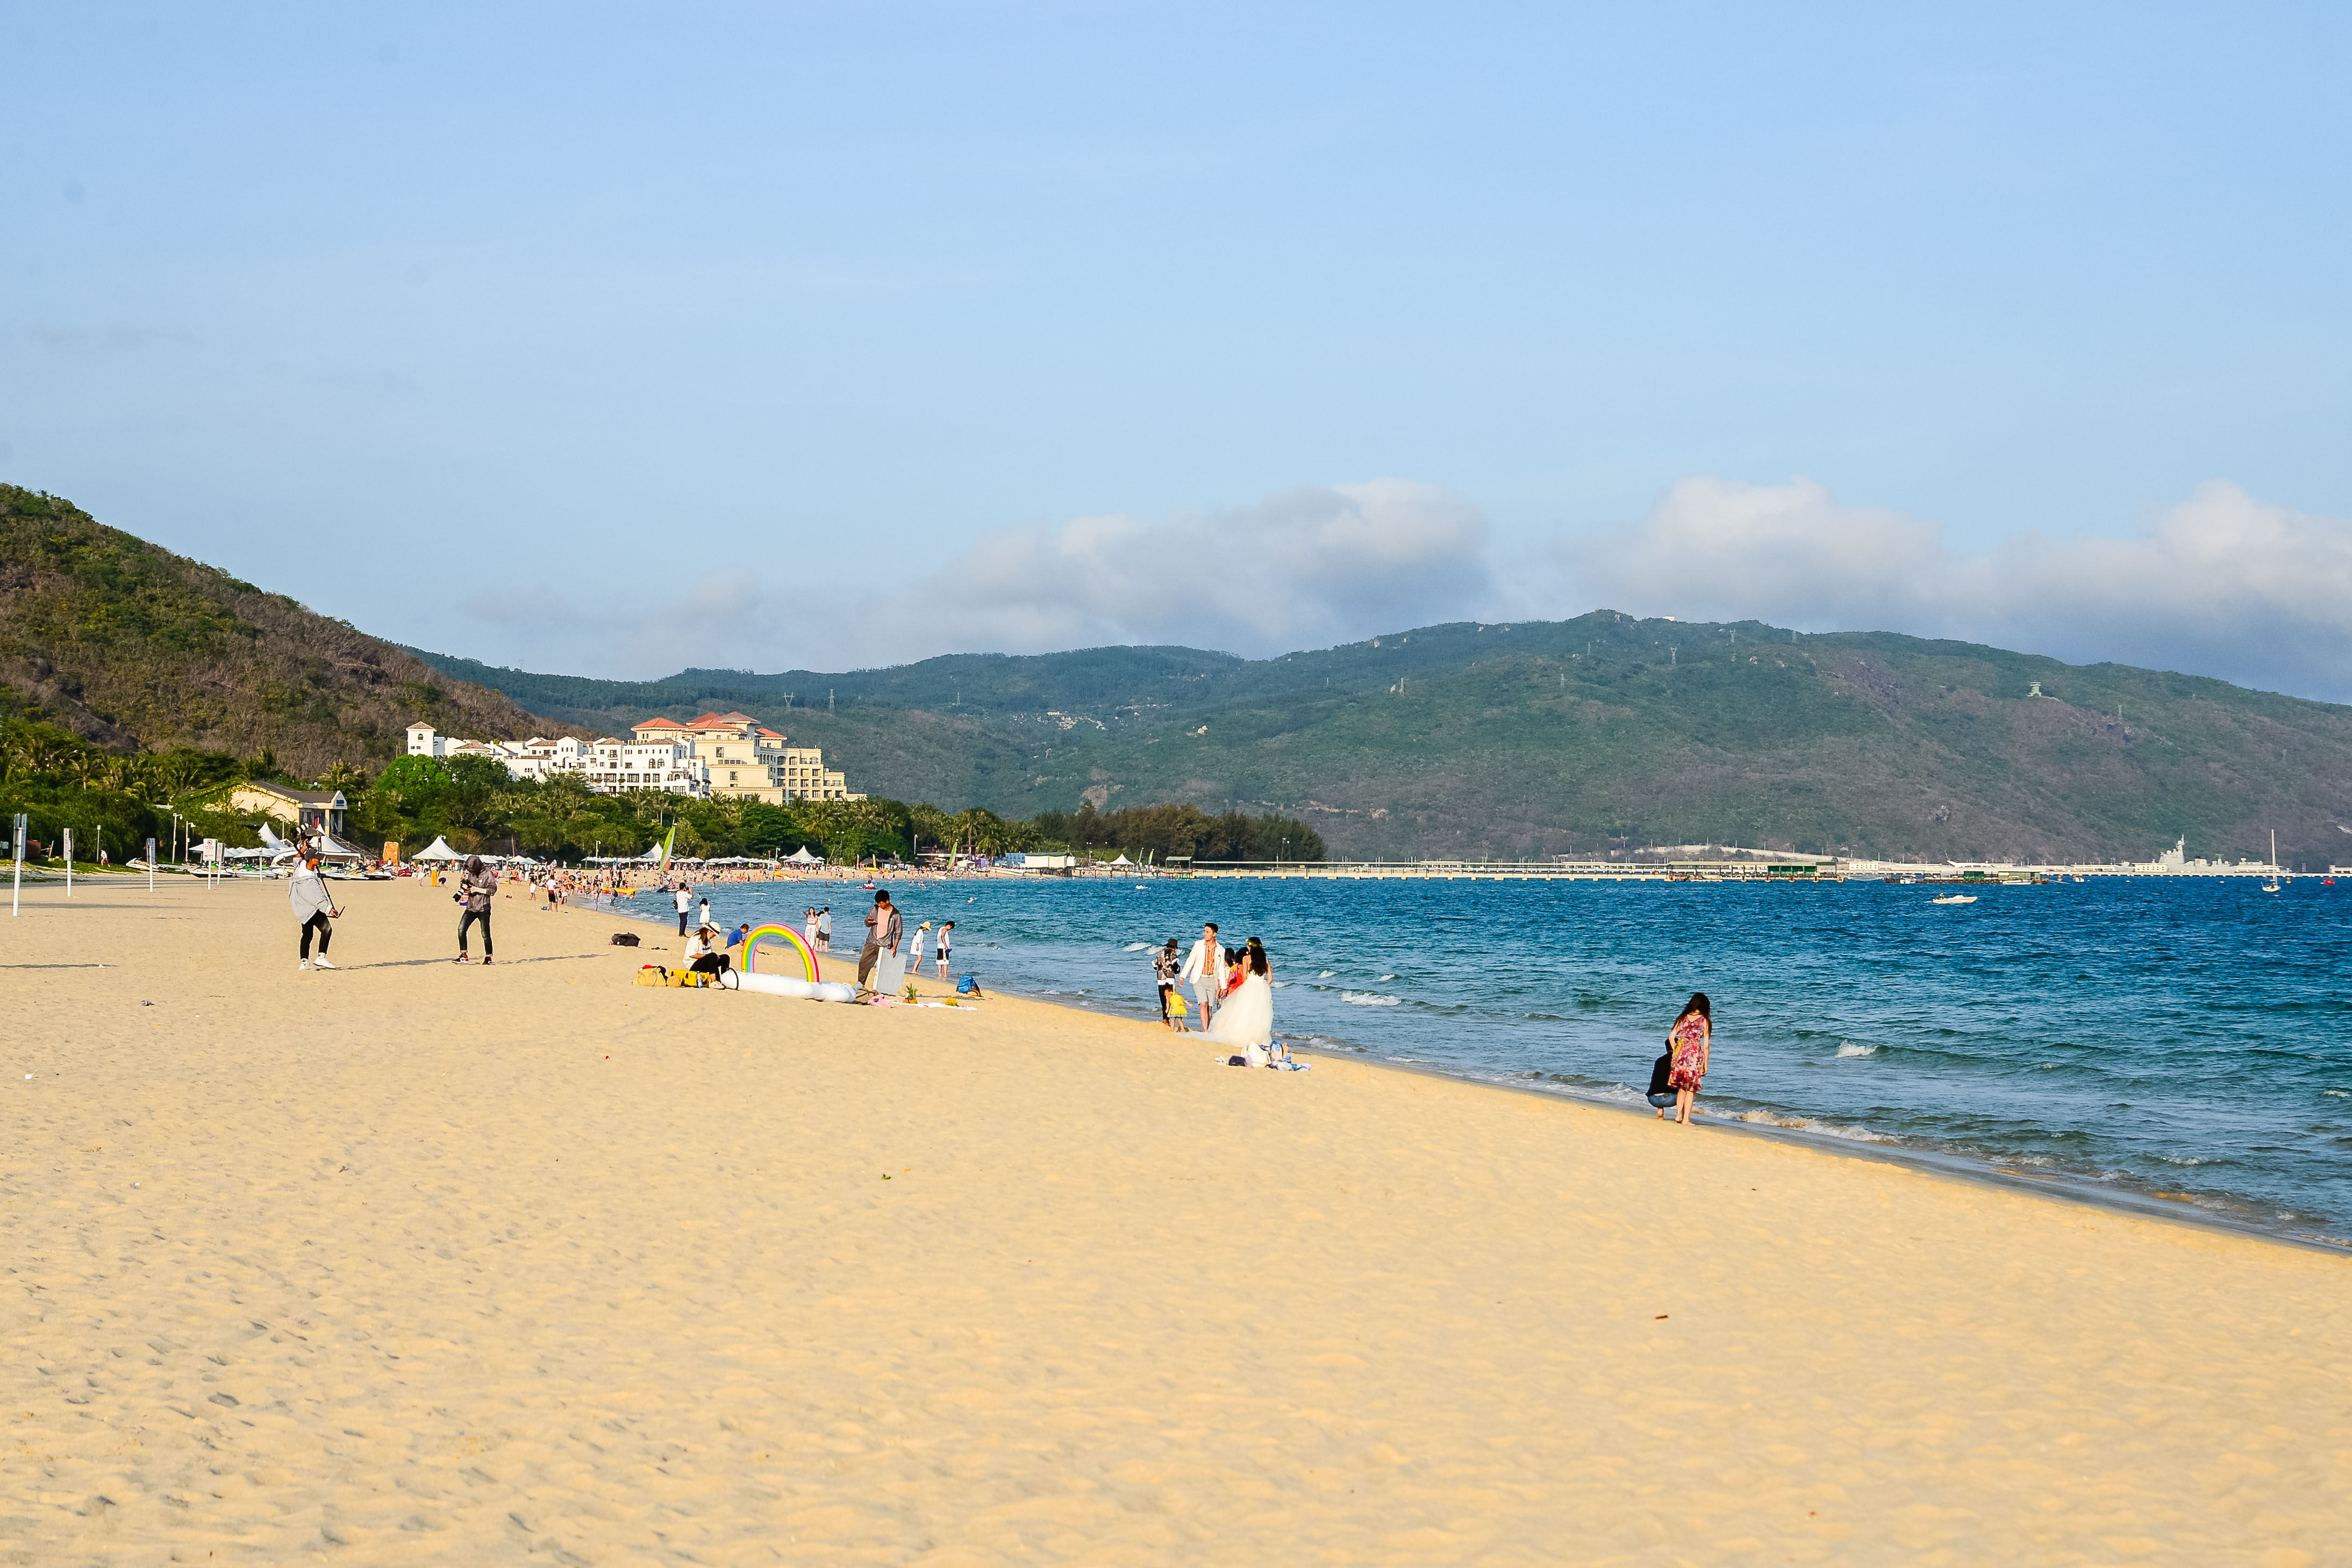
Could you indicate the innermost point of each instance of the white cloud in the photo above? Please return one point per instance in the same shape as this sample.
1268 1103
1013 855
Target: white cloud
2222 584
1302 568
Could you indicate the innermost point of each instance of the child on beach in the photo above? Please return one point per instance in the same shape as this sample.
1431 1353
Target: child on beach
1689 1043
947 947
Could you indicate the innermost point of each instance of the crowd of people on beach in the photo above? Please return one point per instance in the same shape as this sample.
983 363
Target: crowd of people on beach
1232 987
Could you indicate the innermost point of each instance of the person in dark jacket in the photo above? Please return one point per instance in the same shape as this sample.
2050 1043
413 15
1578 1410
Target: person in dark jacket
477 885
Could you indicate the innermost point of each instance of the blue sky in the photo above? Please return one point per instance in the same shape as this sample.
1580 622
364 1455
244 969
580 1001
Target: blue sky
613 340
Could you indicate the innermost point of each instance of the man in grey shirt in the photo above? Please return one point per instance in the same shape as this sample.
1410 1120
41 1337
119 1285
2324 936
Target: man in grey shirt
884 931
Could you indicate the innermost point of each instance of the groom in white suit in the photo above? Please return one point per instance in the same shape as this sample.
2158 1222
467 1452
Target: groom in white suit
1204 971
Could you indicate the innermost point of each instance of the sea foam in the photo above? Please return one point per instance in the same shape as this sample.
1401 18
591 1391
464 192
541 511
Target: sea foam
1369 999
1847 1047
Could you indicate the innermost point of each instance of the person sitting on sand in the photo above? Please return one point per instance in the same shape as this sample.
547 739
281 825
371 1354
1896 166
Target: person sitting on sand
703 955
1689 1042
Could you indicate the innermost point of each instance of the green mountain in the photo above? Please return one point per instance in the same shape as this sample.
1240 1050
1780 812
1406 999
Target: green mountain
1603 732
1532 739
135 649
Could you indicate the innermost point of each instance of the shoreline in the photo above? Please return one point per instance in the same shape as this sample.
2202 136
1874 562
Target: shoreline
2115 1197
1974 1169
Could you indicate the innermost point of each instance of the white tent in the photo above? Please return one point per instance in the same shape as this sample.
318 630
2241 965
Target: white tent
438 850
1122 860
802 857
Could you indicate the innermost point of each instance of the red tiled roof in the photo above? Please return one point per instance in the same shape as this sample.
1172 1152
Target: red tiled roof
659 723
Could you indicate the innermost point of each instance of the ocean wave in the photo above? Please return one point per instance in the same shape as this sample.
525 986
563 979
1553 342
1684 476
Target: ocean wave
1385 977
2338 1093
1277 985
1326 974
1847 1047
1369 999
1135 947
1808 1125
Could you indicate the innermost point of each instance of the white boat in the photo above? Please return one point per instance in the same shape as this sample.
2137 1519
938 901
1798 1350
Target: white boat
2272 885
1954 898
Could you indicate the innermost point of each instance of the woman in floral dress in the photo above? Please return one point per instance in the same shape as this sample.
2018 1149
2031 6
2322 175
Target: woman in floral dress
1688 1042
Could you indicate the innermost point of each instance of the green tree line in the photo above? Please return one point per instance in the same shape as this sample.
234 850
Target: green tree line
61 781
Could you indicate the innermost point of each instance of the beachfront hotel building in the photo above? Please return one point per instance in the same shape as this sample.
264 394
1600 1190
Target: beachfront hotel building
608 767
745 759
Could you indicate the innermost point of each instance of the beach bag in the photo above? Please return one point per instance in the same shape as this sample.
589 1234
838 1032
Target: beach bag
968 986
653 975
890 974
624 938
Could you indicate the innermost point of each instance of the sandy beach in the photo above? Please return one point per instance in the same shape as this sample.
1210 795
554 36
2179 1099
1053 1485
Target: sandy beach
411 1262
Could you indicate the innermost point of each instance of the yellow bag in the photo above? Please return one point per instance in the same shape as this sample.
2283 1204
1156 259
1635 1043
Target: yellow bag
653 975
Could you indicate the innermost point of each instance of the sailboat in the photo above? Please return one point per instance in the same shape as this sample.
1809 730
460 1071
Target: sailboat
2272 885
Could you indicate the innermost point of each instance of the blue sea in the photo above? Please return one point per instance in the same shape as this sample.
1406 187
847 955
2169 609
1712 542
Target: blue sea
2181 1046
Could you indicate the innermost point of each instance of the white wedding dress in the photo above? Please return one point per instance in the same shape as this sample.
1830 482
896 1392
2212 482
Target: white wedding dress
1247 1017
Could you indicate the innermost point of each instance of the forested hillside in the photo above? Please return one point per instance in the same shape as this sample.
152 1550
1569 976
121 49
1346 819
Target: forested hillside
136 648
1601 732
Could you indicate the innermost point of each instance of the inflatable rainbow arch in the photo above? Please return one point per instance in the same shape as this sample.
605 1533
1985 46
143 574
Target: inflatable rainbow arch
790 939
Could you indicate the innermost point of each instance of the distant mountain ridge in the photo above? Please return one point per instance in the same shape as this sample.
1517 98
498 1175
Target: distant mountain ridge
1543 737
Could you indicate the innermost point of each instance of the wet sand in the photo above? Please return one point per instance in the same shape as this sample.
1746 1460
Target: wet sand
416 1262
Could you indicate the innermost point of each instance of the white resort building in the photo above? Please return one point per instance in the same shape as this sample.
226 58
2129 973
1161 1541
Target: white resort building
608 767
725 754
744 758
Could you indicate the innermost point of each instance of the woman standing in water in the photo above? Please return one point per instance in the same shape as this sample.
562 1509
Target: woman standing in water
1688 1043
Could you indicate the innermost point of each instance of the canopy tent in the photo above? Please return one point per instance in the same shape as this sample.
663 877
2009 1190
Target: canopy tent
328 850
438 850
1122 860
802 857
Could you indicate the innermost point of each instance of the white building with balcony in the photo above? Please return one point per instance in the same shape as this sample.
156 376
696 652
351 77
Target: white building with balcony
608 767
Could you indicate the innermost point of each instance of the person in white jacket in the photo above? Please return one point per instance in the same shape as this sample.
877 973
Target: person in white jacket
314 906
1204 971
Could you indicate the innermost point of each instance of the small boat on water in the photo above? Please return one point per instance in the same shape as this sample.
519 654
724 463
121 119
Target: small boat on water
1954 898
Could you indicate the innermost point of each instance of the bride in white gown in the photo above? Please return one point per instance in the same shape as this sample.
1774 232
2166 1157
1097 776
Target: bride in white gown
1246 1017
